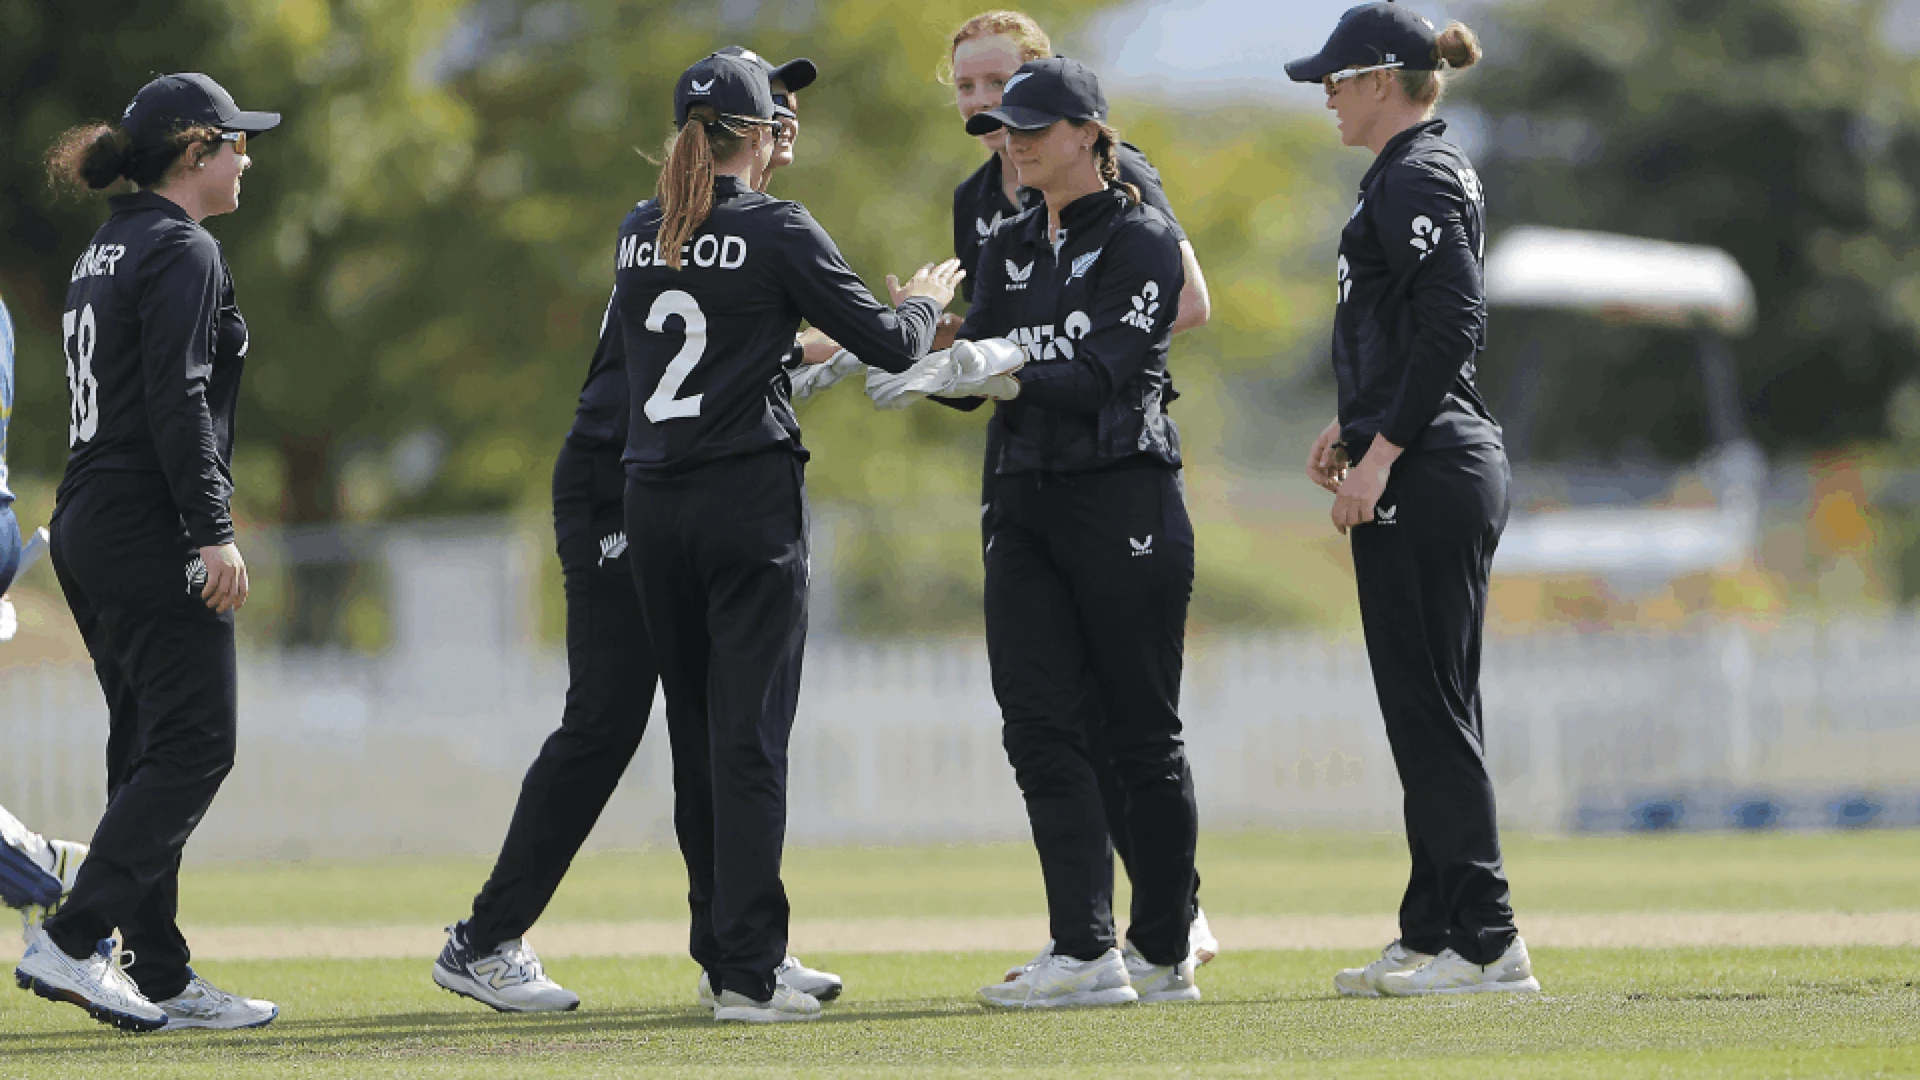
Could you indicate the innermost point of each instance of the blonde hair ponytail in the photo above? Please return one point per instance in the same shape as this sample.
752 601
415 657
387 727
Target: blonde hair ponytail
1456 48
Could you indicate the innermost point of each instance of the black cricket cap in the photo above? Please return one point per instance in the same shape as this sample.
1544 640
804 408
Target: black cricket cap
1042 92
795 75
1380 33
732 85
172 102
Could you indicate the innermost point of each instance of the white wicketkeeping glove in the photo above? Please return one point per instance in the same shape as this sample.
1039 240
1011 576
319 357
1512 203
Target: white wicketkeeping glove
813 378
891 391
985 369
9 623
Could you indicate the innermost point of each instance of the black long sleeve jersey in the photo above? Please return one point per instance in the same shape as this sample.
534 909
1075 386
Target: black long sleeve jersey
980 203
602 417
1412 311
155 345
1094 308
704 344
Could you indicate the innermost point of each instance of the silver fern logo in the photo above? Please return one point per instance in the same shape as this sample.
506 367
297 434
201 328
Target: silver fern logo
196 576
612 546
1085 263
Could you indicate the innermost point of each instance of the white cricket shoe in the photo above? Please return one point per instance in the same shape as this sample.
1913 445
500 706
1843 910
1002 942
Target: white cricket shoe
1155 982
822 986
510 978
785 1006
1365 981
94 983
1200 938
1039 958
1060 981
1451 973
204 1005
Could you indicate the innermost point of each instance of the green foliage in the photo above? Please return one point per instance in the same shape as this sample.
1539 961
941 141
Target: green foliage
423 253
1784 131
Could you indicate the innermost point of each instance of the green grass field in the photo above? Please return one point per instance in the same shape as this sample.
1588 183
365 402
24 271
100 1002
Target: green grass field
1707 1010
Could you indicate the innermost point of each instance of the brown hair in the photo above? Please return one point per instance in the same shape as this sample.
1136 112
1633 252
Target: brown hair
1455 48
99 155
685 189
1106 157
1032 41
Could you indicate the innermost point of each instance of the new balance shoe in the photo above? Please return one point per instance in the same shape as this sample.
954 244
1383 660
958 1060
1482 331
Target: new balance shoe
1157 982
822 986
95 983
1451 973
1200 938
1365 981
1060 981
509 977
785 1006
204 1005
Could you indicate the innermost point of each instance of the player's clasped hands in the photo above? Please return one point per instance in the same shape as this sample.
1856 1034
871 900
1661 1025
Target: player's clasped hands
1327 461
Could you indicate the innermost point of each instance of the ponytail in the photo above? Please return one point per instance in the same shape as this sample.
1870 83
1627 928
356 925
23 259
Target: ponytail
1457 47
685 188
95 156
1106 158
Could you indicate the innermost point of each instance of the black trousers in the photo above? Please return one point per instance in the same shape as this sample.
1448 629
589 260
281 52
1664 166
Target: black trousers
1088 581
720 557
1422 568
610 680
167 666
1113 799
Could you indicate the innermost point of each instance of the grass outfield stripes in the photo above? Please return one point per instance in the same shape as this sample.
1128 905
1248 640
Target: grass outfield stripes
1243 873
1678 1013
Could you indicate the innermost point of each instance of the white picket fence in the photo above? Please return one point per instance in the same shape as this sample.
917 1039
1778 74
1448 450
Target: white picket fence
901 741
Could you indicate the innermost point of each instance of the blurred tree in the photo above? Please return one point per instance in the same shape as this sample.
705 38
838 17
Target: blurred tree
424 246
1786 132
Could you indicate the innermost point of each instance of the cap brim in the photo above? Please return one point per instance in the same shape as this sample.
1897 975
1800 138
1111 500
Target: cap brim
1017 117
1312 68
253 123
795 74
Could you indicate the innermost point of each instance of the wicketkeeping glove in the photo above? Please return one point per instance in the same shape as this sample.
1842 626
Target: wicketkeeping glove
891 391
813 378
985 369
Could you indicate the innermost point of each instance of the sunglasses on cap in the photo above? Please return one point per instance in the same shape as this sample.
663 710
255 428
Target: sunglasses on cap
1332 82
783 101
238 139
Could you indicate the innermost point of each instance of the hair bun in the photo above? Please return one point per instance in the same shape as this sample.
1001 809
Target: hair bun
1457 47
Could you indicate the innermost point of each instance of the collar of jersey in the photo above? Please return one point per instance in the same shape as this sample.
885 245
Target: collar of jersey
728 184
1077 219
1397 146
147 200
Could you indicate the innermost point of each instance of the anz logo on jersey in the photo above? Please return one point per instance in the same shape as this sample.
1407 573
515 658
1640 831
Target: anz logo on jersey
725 252
1041 343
